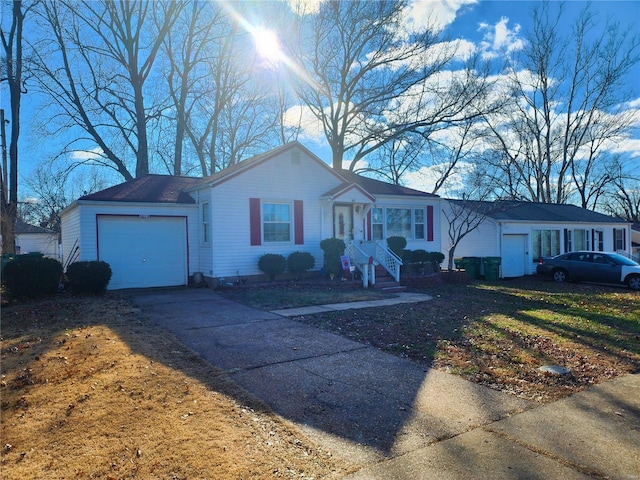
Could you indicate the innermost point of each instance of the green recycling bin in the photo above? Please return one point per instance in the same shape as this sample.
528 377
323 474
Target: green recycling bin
472 266
492 267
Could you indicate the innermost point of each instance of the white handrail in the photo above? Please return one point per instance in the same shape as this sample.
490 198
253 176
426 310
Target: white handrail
362 254
360 259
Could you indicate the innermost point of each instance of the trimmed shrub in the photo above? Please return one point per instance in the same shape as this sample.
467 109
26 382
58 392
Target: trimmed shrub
397 244
436 258
333 249
272 264
31 276
300 262
420 256
89 277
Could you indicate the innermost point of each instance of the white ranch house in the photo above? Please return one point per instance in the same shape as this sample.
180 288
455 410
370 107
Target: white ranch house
160 230
521 232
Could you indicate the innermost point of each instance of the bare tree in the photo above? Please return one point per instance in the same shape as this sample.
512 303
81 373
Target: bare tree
103 55
231 115
50 188
463 217
187 49
370 81
623 193
13 58
567 92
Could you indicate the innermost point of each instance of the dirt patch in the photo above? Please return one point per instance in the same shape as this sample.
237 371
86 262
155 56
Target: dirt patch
90 390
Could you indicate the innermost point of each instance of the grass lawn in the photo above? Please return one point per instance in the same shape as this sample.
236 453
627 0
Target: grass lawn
500 333
90 390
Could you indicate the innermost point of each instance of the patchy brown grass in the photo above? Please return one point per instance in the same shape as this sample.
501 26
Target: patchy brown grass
90 390
499 333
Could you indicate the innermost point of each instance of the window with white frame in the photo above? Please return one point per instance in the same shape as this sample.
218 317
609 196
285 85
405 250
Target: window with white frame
399 222
418 224
618 239
580 240
276 222
206 223
546 243
377 224
409 223
598 240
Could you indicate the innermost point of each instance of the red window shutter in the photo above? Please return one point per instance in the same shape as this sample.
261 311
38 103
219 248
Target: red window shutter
369 227
430 223
254 221
298 222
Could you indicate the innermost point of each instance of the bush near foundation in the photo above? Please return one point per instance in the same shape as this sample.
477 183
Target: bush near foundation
29 275
272 264
89 277
333 248
300 262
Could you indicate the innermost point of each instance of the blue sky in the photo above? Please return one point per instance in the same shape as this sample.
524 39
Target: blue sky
494 25
486 24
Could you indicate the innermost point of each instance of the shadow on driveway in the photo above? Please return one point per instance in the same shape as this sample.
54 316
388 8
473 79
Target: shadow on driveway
362 403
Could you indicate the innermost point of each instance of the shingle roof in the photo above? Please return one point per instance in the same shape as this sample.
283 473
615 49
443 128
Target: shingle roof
377 187
24 227
149 188
538 212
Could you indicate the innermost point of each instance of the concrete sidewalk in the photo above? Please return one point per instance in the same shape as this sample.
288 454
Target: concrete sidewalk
393 418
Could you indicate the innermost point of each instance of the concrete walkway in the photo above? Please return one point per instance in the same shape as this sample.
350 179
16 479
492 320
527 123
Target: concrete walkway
399 298
396 419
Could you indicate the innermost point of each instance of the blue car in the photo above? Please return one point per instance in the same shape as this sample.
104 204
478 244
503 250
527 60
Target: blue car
597 267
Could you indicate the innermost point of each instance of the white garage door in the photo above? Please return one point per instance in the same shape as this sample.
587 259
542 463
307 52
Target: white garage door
514 256
144 252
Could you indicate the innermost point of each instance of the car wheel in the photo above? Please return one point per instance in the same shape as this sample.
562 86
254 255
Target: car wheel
634 282
560 275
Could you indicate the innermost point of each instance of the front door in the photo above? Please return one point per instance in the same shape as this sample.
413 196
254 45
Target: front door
343 222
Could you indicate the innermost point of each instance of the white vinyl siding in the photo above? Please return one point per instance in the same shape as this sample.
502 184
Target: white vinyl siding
290 179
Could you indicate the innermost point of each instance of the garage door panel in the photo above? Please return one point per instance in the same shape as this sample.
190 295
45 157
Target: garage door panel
144 252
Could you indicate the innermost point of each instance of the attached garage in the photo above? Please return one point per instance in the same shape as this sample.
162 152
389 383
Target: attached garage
143 251
145 229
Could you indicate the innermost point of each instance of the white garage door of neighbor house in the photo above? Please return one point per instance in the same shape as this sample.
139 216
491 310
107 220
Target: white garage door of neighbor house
144 251
514 255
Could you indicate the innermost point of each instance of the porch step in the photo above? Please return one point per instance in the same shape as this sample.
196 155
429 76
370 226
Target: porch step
385 282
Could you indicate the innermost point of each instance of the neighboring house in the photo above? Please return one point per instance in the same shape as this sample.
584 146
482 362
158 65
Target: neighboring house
159 230
635 241
30 238
521 232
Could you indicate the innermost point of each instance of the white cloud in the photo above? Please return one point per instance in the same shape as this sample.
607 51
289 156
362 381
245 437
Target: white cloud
304 7
83 155
499 38
437 14
301 116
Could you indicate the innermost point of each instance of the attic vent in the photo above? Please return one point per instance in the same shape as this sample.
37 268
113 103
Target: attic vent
295 157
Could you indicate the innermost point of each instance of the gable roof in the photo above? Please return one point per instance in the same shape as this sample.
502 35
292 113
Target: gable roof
23 227
149 188
234 170
537 212
378 187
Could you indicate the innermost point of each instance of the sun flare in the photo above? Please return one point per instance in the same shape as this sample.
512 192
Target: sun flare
267 44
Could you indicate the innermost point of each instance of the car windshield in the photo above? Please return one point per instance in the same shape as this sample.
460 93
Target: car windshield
623 260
